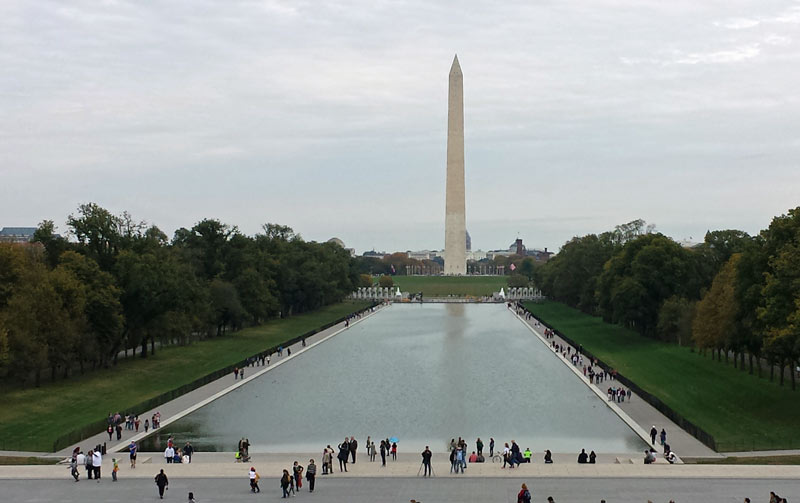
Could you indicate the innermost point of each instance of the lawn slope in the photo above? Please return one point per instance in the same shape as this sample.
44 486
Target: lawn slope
741 411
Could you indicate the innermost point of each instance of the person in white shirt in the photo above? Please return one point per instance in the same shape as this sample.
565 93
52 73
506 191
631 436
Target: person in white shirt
169 453
97 462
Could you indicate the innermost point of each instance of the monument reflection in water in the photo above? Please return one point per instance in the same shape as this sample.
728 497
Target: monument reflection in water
423 373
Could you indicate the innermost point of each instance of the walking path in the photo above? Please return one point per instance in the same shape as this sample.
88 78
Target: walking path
221 465
637 413
185 404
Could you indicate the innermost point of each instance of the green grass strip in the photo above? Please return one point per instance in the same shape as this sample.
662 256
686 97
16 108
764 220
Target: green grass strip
442 286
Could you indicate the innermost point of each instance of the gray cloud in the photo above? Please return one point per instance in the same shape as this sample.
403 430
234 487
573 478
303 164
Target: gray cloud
331 117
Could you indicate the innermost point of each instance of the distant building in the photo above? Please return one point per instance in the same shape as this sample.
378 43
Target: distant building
421 255
17 234
373 254
341 243
540 255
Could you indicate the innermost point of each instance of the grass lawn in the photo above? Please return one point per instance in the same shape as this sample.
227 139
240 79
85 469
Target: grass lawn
22 460
765 460
441 286
32 418
741 411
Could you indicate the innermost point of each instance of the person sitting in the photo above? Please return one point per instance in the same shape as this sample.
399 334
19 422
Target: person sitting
548 457
526 456
592 458
473 458
480 459
583 457
671 457
649 457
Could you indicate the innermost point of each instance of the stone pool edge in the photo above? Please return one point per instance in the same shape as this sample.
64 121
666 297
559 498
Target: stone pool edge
633 425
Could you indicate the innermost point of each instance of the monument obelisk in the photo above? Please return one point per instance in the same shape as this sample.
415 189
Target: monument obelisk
455 220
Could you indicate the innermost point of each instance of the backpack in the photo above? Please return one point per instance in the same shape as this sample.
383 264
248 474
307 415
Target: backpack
526 496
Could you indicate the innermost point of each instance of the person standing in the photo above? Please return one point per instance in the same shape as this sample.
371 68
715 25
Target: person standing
297 471
311 475
253 475
132 448
162 482
663 436
383 452
344 453
114 469
372 451
426 461
97 462
146 425
169 454
87 462
479 446
110 431
353 448
326 460
491 447
653 433
188 450
394 451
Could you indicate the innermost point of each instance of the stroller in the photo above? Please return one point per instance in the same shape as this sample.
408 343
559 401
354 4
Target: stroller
242 456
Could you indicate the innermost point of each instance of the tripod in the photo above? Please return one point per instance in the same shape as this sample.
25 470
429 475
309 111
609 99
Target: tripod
421 465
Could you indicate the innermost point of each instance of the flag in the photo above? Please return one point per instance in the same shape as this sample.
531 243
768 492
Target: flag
393 271
513 267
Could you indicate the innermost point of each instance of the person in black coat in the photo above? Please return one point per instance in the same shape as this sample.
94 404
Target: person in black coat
583 457
162 482
344 452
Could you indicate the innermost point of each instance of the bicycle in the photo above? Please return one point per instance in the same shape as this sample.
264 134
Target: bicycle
497 458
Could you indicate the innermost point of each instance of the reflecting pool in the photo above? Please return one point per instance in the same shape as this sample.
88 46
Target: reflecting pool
423 373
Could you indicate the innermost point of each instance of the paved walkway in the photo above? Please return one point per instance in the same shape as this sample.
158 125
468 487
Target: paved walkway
221 465
401 490
183 405
642 414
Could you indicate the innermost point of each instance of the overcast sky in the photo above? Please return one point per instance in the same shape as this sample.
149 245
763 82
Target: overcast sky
331 117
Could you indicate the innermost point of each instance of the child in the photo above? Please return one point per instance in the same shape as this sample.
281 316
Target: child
114 470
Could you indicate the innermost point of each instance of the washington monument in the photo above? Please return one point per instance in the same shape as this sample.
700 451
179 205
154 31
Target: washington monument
455 220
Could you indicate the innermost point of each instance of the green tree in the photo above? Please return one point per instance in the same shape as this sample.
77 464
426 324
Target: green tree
781 291
54 244
715 320
102 305
675 320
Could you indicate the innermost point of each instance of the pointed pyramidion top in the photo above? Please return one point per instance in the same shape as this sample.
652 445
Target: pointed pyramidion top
456 68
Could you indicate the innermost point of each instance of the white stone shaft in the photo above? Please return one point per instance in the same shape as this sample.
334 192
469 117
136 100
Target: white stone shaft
455 222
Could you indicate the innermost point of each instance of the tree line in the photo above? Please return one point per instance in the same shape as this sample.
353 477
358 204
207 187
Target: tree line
735 295
71 304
